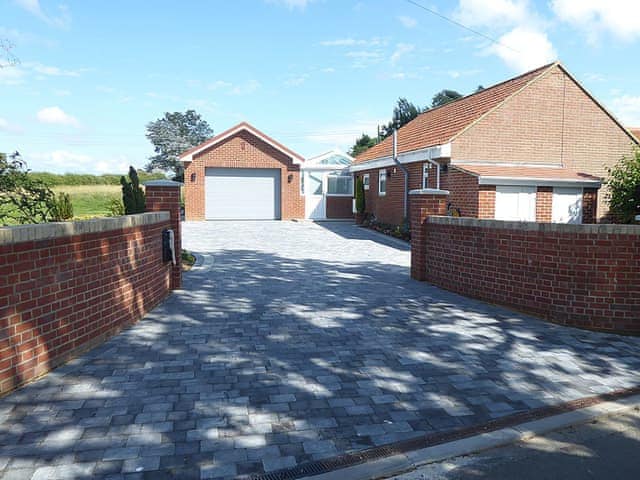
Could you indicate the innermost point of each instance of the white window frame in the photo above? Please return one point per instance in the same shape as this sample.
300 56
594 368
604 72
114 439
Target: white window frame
365 181
425 175
350 194
302 174
382 173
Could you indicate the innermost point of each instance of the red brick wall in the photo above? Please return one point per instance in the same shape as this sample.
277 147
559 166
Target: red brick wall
580 275
60 296
487 201
422 206
165 198
339 207
243 150
589 205
553 121
463 191
544 204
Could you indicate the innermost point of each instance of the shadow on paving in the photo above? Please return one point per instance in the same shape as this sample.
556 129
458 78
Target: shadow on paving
263 362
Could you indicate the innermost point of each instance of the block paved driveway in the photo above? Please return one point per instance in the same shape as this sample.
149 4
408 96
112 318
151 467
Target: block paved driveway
292 342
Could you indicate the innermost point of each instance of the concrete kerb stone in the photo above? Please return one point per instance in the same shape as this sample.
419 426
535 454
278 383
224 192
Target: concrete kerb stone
398 464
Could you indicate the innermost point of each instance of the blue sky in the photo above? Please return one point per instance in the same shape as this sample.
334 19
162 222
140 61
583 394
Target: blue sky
312 74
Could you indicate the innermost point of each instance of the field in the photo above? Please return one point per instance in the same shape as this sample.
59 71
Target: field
91 200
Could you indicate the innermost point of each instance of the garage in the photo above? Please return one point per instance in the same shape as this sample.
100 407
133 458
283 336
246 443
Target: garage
242 194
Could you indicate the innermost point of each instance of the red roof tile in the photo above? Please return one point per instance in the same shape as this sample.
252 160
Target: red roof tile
533 173
439 125
635 132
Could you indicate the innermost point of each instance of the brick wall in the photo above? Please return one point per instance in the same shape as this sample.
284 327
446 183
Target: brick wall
67 287
423 205
553 121
589 205
544 204
463 189
586 276
242 150
339 207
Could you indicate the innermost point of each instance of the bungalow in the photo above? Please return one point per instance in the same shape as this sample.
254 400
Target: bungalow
243 174
532 148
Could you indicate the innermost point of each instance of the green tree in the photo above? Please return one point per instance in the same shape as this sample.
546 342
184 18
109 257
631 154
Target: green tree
624 188
363 143
133 197
443 97
23 199
403 113
173 134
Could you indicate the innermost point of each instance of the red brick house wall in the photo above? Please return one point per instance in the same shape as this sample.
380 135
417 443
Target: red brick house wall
61 294
242 150
580 275
552 121
544 204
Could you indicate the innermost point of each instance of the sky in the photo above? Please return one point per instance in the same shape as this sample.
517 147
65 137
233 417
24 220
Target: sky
313 74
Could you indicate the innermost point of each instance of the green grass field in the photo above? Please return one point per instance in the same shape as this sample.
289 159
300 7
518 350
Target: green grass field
90 200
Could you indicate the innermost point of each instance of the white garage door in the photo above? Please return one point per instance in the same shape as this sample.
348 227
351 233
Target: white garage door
242 194
516 203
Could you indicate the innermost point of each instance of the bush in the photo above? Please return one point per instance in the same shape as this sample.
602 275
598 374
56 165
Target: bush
116 208
360 205
23 198
62 209
624 189
55 179
132 194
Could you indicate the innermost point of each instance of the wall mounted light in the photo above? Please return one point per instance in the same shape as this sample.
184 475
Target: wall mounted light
290 178
193 177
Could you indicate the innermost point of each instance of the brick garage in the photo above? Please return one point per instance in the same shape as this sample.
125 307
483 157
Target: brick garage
586 276
67 287
243 147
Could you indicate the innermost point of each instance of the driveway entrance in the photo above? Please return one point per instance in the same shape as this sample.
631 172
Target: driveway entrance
292 342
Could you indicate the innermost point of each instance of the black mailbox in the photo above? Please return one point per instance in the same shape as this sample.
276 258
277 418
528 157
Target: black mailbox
168 255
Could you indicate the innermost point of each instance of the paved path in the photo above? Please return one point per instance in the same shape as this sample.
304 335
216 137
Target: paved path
293 342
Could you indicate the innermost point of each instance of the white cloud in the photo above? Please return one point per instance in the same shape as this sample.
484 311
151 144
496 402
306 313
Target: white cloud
627 109
524 49
365 58
13 75
218 84
351 42
61 20
5 126
291 4
246 88
401 50
328 70
407 22
56 116
296 81
490 13
620 18
50 70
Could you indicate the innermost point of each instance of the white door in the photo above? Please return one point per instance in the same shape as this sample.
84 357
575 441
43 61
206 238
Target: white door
567 205
242 194
314 198
516 203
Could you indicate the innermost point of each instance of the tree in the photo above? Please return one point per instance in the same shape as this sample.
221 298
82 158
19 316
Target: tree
133 197
360 201
479 89
443 97
7 58
624 188
23 199
173 134
403 113
363 143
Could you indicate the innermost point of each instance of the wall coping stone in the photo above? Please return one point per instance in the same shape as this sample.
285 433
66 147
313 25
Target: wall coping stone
603 228
162 183
428 191
45 231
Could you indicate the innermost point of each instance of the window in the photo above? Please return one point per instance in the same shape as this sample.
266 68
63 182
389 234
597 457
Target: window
340 185
302 183
382 182
516 203
365 181
425 175
567 205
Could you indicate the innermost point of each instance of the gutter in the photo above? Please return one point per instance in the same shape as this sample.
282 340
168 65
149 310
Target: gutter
405 198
